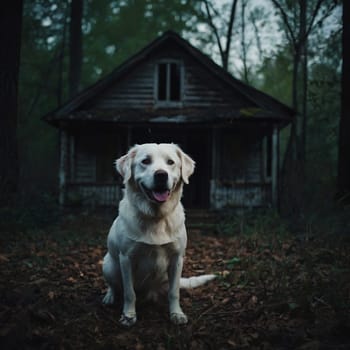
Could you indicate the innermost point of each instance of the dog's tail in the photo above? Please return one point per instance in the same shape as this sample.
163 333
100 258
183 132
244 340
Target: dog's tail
193 282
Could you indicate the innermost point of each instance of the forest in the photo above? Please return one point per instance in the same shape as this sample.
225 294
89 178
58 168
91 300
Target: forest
283 274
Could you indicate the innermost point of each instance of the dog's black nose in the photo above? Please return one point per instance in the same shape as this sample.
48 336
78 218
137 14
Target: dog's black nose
160 178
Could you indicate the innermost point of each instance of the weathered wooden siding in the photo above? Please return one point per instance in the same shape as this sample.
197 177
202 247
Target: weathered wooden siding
239 181
204 90
82 153
84 159
85 167
137 90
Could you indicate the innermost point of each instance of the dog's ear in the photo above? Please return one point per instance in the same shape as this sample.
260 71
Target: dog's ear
124 164
187 165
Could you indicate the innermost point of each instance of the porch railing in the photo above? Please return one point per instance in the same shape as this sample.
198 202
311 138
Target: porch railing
93 194
224 194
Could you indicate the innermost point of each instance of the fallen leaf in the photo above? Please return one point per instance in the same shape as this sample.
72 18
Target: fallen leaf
4 258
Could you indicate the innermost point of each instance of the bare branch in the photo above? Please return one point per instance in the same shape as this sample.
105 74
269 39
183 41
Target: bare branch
243 41
314 15
215 10
213 27
290 32
229 32
256 33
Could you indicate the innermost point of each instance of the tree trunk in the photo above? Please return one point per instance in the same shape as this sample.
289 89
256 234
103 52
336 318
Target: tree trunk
75 46
343 183
303 40
244 43
229 35
10 38
61 55
293 182
224 53
290 176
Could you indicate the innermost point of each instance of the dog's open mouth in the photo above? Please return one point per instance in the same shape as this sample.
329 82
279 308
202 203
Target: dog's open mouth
156 195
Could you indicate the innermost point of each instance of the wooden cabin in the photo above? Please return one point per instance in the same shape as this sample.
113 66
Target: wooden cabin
171 92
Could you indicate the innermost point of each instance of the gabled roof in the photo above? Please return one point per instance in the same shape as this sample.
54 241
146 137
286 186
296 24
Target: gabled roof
263 102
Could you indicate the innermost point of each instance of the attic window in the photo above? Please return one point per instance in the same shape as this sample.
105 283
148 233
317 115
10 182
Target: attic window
168 82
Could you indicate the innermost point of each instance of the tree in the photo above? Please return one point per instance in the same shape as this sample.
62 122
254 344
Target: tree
298 22
244 41
43 66
10 38
324 91
75 46
111 36
299 18
224 50
343 183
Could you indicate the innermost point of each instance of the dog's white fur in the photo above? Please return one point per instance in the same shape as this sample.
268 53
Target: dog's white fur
147 241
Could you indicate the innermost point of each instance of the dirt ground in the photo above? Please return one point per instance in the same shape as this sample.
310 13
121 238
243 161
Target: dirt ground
272 292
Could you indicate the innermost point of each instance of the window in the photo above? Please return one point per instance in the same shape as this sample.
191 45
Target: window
168 82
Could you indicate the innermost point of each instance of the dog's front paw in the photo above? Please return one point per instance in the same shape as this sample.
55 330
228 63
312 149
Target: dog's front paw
178 318
128 320
109 297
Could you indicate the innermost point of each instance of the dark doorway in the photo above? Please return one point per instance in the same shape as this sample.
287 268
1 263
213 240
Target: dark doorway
198 146
194 142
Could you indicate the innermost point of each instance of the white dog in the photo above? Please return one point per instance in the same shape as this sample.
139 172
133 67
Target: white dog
147 241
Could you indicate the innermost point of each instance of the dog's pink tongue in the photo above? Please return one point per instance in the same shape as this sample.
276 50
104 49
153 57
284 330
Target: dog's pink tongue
161 196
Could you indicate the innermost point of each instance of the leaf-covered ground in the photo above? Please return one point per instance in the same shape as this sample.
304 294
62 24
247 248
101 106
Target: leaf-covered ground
273 292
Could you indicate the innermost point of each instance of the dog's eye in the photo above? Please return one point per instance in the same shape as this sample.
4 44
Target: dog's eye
170 162
146 161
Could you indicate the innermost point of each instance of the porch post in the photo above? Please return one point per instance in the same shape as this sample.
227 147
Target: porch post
215 165
275 167
63 166
71 158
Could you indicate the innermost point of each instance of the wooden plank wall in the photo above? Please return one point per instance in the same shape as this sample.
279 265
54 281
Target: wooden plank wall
240 180
84 158
85 165
136 90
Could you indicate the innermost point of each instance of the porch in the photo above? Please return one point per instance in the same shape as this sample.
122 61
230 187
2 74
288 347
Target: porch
236 166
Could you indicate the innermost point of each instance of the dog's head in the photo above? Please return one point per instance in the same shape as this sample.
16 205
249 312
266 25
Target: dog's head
157 169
